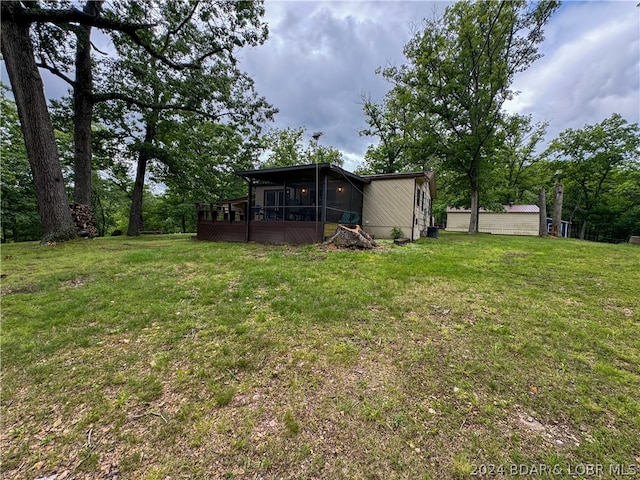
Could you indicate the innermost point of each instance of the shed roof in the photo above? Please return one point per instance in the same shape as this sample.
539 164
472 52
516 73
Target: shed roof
300 172
429 177
506 209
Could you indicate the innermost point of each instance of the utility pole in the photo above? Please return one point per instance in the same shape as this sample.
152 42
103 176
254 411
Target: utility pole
316 136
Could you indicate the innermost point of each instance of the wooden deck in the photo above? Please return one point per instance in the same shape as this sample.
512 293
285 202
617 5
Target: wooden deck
284 232
290 232
221 231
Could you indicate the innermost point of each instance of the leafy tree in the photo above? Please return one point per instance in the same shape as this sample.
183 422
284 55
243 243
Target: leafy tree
392 122
216 93
516 179
461 69
37 130
181 36
590 160
623 204
286 147
18 208
199 165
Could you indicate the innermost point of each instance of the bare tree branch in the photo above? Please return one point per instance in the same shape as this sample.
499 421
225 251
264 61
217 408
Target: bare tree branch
105 97
73 15
55 71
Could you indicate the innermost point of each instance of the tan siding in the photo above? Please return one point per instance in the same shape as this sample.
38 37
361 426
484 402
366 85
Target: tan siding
457 222
388 203
497 223
509 223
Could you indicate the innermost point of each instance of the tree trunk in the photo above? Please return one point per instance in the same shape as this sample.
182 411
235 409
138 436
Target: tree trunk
135 214
475 210
348 237
37 129
542 203
83 110
556 221
583 229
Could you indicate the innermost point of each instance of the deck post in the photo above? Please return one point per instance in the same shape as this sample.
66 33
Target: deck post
325 188
249 213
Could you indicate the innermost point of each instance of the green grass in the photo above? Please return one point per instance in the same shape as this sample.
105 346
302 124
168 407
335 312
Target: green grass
165 357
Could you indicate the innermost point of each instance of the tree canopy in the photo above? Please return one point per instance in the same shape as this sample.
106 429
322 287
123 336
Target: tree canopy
461 67
286 147
191 44
598 163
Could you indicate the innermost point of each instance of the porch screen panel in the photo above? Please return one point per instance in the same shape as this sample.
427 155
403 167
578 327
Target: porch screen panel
344 202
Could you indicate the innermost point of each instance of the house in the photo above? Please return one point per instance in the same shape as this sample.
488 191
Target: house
402 200
513 220
305 204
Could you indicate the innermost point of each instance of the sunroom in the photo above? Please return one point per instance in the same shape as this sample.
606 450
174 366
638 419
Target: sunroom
298 204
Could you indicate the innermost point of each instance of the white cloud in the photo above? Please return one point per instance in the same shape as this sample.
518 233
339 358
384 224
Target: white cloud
321 56
591 68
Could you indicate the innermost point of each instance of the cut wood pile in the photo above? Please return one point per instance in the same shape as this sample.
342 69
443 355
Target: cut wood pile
85 221
348 237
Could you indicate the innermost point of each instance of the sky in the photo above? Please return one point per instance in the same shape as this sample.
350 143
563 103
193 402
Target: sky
321 57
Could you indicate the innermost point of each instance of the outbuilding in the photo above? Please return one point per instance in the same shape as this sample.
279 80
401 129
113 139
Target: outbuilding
512 220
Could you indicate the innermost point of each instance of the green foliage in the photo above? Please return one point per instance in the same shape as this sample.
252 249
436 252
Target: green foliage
19 212
285 148
516 159
396 232
599 166
460 71
200 115
200 157
390 121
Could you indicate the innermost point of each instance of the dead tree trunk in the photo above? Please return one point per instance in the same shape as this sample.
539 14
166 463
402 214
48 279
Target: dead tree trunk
347 237
556 221
542 203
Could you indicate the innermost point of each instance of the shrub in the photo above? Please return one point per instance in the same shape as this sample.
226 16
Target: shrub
396 232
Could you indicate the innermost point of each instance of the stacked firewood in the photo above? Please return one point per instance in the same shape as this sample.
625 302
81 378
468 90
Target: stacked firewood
85 221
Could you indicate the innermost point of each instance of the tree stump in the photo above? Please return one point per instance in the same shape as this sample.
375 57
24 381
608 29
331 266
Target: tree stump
348 237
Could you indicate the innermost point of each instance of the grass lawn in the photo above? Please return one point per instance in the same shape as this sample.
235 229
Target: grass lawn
162 357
